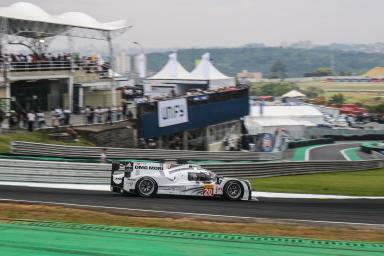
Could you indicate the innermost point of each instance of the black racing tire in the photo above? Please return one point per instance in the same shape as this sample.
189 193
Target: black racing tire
233 190
146 187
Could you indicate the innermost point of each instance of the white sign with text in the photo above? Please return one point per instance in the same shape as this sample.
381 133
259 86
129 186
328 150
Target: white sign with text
171 112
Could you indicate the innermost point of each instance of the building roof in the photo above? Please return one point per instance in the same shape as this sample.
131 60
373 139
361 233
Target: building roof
293 94
26 12
172 70
375 72
254 125
206 71
275 122
285 111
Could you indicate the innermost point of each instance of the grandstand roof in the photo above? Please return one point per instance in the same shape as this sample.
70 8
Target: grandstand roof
26 18
285 111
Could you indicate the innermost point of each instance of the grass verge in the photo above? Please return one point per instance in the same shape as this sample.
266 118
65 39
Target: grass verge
357 183
37 136
62 214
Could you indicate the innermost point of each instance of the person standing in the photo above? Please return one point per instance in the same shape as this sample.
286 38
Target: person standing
67 116
92 115
87 114
31 120
54 118
108 118
2 117
99 115
40 116
103 156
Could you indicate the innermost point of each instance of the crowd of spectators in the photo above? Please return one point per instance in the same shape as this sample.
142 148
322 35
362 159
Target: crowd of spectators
36 119
99 115
50 61
202 94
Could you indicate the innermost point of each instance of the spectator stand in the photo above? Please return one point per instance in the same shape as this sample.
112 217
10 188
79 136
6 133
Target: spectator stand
28 25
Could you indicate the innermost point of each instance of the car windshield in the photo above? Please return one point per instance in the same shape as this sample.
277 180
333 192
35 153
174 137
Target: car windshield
201 176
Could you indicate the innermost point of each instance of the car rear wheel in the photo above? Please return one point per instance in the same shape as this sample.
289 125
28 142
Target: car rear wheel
233 190
146 187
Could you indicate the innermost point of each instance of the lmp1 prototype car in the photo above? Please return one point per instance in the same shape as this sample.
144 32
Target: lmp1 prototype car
149 179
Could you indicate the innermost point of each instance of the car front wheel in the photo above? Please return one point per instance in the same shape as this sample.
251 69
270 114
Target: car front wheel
146 187
233 190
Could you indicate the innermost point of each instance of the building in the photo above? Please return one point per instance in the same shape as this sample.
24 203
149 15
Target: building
250 76
41 79
196 110
294 119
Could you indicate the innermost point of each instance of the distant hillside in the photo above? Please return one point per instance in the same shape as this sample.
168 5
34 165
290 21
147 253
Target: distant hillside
298 61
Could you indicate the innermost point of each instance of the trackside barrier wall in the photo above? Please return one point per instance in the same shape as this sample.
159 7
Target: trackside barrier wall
85 173
38 149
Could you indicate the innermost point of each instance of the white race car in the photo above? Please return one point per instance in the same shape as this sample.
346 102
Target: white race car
149 179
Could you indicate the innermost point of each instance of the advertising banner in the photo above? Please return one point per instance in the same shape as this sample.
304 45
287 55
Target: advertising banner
267 142
171 112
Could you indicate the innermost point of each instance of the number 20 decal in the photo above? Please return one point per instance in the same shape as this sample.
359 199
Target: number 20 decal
208 192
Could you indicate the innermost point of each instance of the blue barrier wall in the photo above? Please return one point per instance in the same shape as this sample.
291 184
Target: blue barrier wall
199 116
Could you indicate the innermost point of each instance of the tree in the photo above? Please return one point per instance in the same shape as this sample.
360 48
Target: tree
376 108
277 89
313 92
337 99
322 71
278 69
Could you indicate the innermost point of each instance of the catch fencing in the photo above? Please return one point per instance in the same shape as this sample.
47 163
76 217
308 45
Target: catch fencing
86 173
39 149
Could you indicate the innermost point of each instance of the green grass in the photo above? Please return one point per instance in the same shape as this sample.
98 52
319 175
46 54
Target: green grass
37 136
359 183
336 86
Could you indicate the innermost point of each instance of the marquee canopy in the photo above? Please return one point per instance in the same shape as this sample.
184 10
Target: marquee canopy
172 70
293 94
206 71
28 20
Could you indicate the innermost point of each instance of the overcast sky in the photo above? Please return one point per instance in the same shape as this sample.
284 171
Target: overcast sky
200 23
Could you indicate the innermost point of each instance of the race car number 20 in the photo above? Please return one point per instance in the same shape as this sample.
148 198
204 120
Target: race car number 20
208 190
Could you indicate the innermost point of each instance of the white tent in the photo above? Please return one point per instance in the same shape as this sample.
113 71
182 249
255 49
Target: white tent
296 129
173 70
294 119
206 71
299 113
293 94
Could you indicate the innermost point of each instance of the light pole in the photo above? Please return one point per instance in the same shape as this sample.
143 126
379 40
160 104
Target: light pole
140 61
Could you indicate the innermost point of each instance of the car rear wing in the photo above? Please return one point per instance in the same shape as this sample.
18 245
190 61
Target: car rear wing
127 168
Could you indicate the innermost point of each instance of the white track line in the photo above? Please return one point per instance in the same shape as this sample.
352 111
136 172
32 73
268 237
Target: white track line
192 214
57 185
255 194
344 154
308 151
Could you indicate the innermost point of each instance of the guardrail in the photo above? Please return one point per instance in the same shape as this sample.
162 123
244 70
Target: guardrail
38 149
85 173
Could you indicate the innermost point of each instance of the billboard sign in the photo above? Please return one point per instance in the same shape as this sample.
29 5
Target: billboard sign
172 112
267 142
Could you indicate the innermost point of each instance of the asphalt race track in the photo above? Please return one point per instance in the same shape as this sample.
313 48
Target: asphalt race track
333 152
351 211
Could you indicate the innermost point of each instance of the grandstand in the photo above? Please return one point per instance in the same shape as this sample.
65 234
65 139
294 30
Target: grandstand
41 79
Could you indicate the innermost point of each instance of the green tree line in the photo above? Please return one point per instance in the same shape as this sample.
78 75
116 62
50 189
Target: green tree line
275 61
